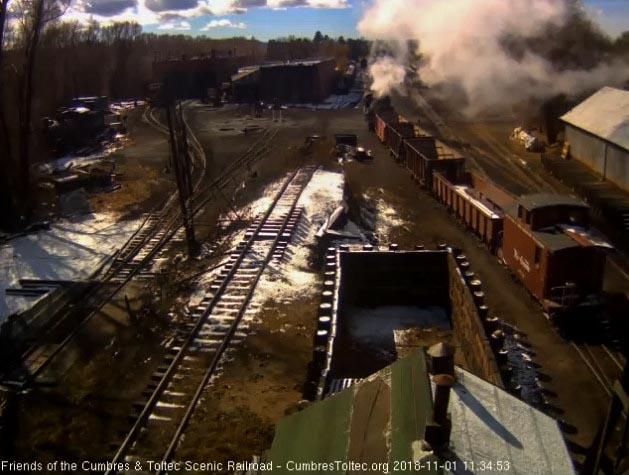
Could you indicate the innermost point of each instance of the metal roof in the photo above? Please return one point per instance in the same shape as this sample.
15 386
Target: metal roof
383 417
296 62
490 424
391 406
243 74
604 114
555 241
544 200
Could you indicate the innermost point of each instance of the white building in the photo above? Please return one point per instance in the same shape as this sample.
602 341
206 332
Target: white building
598 133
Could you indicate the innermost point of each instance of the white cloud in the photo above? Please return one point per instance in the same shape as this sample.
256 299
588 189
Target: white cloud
176 26
328 3
284 4
224 23
78 11
106 11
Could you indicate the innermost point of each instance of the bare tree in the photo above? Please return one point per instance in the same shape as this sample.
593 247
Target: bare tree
33 16
8 195
4 137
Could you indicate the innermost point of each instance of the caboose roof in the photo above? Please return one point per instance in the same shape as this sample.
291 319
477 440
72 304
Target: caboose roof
545 200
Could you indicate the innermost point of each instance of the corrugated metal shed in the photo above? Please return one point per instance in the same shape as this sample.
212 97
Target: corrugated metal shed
604 114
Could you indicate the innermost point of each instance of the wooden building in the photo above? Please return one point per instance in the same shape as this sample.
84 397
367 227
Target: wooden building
193 78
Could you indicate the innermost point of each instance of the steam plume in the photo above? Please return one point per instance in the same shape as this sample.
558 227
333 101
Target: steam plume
464 43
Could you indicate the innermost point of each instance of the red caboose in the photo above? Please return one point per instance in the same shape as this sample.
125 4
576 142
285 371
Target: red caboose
547 244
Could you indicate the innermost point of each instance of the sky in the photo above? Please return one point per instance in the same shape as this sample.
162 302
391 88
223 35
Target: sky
267 19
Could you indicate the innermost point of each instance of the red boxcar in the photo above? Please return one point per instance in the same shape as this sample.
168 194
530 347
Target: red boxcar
558 266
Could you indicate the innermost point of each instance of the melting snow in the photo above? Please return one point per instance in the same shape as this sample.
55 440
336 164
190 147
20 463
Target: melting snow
70 250
376 325
292 278
380 216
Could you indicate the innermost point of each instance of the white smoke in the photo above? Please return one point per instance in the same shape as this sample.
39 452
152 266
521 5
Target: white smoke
386 74
462 42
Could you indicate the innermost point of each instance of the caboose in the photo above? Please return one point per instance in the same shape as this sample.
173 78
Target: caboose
546 243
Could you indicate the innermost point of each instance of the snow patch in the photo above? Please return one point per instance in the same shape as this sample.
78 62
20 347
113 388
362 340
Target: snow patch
71 250
383 218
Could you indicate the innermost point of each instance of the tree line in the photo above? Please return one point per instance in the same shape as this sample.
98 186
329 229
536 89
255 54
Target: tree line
45 62
291 48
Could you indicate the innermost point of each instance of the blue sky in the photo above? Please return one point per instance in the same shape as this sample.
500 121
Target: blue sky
613 15
266 19
264 23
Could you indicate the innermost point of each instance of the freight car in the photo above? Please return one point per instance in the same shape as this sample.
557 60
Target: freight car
425 155
481 215
542 238
547 245
382 120
396 134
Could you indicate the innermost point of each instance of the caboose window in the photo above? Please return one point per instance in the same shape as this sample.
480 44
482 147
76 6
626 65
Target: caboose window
538 254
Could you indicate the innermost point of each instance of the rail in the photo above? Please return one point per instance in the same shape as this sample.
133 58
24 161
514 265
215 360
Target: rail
232 284
156 230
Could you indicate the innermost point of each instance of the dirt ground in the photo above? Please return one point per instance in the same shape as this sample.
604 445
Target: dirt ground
266 391
140 169
264 377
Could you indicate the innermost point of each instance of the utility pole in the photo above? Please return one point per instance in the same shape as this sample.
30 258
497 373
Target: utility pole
181 164
606 441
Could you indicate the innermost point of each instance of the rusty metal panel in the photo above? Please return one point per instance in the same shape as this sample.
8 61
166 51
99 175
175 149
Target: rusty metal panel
474 220
491 191
482 228
383 120
583 266
396 134
519 255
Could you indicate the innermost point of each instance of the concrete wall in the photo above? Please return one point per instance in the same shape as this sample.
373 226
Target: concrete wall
591 151
469 333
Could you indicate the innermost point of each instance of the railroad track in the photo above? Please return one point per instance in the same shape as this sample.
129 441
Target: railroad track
605 364
156 231
500 155
194 356
497 156
149 117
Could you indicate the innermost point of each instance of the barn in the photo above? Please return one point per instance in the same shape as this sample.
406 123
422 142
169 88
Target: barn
597 131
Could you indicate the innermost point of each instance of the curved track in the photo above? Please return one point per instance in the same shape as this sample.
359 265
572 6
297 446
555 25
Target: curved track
157 229
195 356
